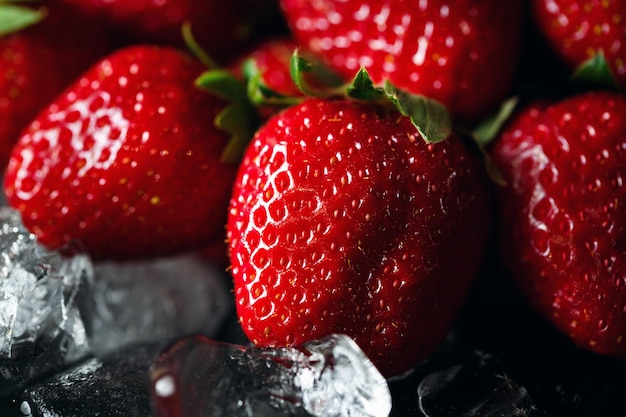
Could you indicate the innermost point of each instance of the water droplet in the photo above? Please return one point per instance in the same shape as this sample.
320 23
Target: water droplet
25 409
165 386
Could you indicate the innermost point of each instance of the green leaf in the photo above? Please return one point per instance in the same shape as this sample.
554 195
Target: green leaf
250 69
258 92
14 18
239 119
486 131
430 117
298 66
254 82
362 87
595 71
223 84
240 122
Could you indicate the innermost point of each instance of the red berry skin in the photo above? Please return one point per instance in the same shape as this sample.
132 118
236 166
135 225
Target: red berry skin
344 220
462 53
579 30
221 27
36 67
562 218
272 58
126 160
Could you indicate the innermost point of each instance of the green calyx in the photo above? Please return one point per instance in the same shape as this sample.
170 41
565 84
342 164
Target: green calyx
239 118
429 116
258 92
262 95
14 17
487 131
595 72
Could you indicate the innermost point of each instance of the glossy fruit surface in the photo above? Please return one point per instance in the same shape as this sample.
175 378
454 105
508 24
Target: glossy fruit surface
35 67
563 223
579 30
344 220
127 160
462 53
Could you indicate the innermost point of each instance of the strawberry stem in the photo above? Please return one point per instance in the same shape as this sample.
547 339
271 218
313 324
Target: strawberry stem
195 48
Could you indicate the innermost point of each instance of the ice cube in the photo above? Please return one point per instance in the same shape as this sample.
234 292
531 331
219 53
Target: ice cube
57 309
480 387
147 301
113 386
40 325
330 377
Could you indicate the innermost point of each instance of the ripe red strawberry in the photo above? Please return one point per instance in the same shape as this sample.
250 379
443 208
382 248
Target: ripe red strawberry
563 222
462 53
580 30
38 61
221 27
270 60
127 160
266 69
344 220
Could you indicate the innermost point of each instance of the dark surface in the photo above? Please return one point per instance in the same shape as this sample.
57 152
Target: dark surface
560 378
115 387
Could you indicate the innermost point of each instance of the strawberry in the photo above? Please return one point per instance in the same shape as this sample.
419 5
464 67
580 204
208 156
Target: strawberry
222 28
343 220
127 160
270 61
266 69
578 31
562 218
462 53
36 67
